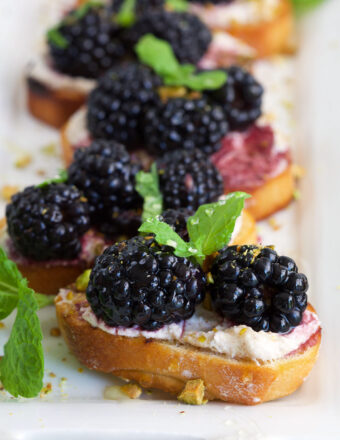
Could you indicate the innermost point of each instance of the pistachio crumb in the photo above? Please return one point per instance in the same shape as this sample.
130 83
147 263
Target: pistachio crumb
23 161
193 393
243 331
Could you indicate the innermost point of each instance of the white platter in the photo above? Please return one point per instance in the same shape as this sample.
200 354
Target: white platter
75 408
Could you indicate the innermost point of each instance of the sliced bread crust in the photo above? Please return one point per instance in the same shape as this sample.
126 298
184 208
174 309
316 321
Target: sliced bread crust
168 366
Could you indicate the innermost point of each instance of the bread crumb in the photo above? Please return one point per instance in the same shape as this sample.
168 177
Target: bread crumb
2 325
40 172
274 224
7 191
132 390
2 223
52 374
128 391
80 370
23 161
63 360
55 331
193 393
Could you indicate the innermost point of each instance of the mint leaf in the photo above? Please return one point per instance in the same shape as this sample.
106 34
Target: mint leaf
301 6
10 281
22 367
147 185
80 12
159 55
126 16
60 178
55 37
177 5
206 80
211 228
166 236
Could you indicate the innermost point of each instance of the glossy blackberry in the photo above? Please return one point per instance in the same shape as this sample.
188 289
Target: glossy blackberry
177 218
47 223
188 179
117 105
186 124
106 174
137 282
142 6
252 287
240 98
93 43
187 35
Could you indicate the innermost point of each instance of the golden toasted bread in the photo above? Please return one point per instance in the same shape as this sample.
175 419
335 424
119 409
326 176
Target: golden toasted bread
168 366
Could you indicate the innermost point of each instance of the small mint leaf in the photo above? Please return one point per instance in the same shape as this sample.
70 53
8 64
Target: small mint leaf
206 80
60 178
55 37
165 235
22 367
302 6
10 280
80 12
177 5
158 55
147 185
126 16
211 227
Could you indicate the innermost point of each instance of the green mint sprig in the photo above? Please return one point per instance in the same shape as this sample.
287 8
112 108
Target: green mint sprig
210 228
147 185
22 367
60 178
54 35
302 6
126 15
159 55
177 5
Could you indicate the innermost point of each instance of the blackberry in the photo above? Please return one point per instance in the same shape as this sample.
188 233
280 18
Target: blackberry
116 106
240 98
105 173
177 218
183 123
142 6
93 43
188 179
185 32
256 287
138 282
47 223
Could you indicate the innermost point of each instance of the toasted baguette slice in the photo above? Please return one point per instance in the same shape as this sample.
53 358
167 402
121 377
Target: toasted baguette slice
53 106
48 280
276 193
267 36
167 366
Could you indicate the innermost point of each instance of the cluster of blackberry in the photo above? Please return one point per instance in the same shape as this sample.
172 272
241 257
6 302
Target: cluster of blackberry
126 106
257 287
47 222
89 41
138 282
